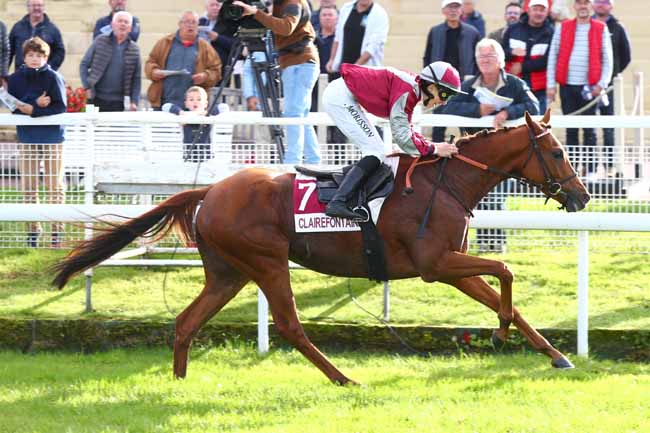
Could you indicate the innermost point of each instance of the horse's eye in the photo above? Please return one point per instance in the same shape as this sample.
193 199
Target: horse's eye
558 154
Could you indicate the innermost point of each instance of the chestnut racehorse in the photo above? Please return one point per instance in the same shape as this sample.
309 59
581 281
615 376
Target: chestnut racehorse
244 231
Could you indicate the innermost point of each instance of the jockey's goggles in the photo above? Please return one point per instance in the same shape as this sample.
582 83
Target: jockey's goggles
443 92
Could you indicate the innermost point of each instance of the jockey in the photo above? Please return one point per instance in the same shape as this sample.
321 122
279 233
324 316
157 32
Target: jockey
391 94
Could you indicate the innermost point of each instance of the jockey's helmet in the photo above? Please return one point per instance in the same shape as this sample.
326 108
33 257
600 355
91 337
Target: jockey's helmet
443 75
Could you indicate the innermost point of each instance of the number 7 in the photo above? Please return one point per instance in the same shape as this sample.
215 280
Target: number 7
310 187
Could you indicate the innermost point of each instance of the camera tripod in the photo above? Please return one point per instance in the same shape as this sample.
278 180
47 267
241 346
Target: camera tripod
267 76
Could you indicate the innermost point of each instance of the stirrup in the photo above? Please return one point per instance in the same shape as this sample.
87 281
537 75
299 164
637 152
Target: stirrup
343 212
364 215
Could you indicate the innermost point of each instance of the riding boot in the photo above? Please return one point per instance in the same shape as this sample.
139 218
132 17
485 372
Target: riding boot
354 178
337 207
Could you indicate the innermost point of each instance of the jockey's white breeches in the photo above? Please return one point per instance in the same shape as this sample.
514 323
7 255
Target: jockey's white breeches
352 120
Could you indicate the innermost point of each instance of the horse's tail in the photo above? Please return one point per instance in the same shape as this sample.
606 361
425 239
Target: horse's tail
175 212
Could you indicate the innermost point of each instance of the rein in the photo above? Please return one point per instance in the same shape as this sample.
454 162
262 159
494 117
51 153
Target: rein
553 186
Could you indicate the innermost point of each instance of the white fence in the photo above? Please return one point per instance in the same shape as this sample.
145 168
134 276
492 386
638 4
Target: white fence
136 158
120 162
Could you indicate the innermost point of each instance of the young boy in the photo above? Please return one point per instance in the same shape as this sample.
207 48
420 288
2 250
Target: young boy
196 138
41 92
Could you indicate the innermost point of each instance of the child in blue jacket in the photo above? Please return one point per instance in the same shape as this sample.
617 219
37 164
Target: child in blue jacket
41 92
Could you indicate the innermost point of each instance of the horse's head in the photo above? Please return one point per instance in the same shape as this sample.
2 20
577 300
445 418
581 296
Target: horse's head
548 166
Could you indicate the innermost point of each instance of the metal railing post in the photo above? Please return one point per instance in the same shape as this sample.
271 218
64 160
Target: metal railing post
89 195
583 293
321 85
639 134
386 301
619 133
262 323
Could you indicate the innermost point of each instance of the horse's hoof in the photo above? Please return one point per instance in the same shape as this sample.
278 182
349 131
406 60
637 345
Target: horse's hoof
346 382
562 363
497 343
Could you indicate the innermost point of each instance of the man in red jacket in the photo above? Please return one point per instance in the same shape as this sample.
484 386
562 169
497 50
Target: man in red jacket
391 94
580 61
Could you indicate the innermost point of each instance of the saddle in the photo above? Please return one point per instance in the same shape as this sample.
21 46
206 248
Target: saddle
379 184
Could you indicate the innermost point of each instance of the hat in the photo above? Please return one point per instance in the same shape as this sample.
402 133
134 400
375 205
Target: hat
442 74
446 3
538 3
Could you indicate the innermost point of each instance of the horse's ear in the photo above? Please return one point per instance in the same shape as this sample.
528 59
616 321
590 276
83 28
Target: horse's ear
547 116
532 125
529 120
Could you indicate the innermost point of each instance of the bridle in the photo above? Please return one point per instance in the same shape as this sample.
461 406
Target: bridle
550 183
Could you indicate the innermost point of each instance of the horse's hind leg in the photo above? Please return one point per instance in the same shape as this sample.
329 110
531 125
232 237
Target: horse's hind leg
277 289
478 289
222 283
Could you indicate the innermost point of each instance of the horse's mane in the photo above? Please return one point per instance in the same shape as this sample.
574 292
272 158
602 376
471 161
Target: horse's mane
484 133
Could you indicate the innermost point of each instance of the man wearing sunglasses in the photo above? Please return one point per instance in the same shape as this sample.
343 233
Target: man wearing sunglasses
391 94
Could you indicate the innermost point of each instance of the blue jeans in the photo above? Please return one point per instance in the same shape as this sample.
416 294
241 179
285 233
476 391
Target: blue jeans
298 82
249 85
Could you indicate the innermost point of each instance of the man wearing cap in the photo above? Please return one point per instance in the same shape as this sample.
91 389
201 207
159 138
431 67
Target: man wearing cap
453 42
391 94
526 46
580 61
622 56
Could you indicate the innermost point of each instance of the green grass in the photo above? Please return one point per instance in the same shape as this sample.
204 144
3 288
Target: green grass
232 389
544 290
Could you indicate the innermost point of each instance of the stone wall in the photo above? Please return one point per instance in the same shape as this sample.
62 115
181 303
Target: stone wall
410 23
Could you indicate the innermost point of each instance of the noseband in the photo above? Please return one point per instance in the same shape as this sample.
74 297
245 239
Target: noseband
553 186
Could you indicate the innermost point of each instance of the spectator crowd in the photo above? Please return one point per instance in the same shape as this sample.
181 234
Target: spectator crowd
544 50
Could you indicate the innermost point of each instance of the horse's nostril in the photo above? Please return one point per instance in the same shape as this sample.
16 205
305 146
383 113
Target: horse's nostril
585 197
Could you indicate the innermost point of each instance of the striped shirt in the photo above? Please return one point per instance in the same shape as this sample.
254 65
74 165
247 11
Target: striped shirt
579 60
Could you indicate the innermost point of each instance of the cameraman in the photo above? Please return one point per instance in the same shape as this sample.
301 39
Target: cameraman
298 58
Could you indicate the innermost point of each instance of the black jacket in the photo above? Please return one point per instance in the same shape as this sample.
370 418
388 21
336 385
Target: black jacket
532 37
515 88
436 42
223 44
46 30
620 45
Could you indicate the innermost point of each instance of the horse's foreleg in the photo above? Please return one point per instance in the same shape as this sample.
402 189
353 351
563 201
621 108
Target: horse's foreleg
210 301
277 290
455 265
480 290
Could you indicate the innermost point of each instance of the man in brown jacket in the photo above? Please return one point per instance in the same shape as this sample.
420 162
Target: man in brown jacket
179 61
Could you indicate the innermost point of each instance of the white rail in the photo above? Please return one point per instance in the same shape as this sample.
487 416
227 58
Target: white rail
527 220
